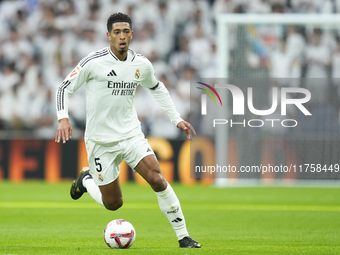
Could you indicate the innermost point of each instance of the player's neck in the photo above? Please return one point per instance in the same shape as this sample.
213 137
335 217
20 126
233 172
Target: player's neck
121 56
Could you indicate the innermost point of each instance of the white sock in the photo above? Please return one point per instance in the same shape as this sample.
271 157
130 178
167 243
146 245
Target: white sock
93 189
170 206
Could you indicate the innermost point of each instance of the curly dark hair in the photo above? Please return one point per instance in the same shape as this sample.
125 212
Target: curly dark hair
118 17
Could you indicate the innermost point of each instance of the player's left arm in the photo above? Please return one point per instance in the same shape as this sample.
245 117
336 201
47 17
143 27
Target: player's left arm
184 125
162 96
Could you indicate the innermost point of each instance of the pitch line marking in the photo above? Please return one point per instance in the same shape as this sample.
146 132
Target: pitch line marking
154 205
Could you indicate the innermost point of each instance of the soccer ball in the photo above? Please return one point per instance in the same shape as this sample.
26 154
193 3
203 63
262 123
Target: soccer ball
119 234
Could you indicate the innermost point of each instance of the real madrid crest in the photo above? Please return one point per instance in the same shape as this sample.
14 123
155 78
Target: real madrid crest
100 177
137 74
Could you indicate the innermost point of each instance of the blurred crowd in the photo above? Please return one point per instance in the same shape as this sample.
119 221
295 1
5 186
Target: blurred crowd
41 41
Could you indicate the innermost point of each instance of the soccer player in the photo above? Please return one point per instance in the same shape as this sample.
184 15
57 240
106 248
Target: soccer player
113 132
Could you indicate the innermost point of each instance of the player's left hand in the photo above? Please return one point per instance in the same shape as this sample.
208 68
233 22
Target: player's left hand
187 128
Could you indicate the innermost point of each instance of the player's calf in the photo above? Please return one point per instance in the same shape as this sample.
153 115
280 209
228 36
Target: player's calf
113 203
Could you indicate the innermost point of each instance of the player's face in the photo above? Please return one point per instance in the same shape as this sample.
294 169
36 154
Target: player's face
120 37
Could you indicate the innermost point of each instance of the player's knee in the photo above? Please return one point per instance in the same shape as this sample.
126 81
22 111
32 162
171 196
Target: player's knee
154 179
113 204
157 181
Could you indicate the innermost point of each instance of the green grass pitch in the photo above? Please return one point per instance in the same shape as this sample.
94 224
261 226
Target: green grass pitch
40 218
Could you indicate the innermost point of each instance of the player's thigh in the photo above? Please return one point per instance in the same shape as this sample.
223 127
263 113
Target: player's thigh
135 149
104 162
141 158
148 165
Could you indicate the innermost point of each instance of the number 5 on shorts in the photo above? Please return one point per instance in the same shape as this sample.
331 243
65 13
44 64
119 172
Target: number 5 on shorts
98 165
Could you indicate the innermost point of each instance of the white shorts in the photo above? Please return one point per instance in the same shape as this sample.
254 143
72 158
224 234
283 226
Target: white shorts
104 160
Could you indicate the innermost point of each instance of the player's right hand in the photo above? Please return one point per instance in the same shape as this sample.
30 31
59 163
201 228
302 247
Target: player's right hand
64 131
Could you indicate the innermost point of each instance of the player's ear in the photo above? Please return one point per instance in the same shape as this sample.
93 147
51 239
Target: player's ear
108 36
131 34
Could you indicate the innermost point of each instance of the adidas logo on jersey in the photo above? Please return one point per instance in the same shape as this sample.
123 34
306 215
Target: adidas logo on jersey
112 73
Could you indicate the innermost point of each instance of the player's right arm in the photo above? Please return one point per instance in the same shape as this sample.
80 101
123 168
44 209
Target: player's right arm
64 131
72 82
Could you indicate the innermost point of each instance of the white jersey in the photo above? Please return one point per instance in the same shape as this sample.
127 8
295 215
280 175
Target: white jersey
110 91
